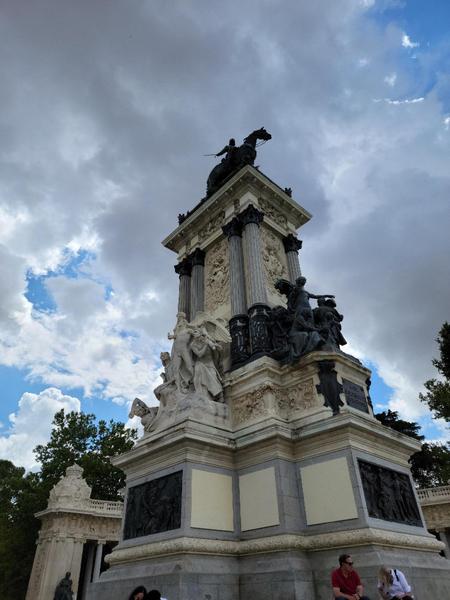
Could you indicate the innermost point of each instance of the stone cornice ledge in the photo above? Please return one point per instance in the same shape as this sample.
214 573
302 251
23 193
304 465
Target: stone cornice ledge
280 543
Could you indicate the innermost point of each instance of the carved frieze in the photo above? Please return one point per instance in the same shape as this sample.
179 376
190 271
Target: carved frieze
211 226
272 212
274 261
299 397
251 405
217 276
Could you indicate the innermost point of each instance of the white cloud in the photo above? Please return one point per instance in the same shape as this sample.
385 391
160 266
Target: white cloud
391 79
407 43
110 151
31 424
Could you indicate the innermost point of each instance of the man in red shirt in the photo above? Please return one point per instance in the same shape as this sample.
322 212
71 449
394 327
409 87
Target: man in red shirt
346 582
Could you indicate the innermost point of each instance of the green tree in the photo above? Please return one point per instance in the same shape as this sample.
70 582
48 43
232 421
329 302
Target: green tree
76 437
391 419
21 495
430 466
437 395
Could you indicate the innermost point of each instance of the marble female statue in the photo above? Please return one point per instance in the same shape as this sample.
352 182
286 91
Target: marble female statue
207 379
181 359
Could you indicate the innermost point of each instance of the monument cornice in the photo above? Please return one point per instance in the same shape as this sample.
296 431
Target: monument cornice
245 179
280 543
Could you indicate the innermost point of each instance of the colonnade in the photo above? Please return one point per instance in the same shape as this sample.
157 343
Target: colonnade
249 323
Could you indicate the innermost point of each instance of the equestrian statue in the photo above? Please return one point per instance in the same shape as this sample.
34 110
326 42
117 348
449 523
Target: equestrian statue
235 158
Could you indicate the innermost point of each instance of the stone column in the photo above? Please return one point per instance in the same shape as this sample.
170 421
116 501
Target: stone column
77 555
258 311
197 259
239 319
184 269
445 538
90 549
98 560
291 246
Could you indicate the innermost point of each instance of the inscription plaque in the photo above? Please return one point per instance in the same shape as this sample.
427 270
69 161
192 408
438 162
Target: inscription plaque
355 396
389 494
154 506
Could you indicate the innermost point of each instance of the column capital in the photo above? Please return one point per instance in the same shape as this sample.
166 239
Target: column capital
251 215
291 243
197 258
184 267
234 227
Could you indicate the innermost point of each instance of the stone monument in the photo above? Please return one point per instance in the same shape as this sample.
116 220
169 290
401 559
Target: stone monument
263 461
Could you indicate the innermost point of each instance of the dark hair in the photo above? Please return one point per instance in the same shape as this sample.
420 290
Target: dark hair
140 588
153 595
343 558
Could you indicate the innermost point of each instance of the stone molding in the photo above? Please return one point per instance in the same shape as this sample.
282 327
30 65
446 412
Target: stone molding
281 543
247 178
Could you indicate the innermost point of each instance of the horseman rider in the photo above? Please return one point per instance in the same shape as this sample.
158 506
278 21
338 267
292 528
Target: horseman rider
230 151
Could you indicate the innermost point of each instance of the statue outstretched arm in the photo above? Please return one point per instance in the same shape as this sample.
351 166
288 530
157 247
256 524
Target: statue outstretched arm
223 151
318 296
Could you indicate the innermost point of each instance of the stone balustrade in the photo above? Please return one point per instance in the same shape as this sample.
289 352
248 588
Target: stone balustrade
436 495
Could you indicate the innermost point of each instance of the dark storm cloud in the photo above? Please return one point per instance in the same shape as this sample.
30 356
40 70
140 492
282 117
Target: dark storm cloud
108 108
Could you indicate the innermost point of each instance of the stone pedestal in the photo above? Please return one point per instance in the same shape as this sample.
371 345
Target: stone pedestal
266 502
256 496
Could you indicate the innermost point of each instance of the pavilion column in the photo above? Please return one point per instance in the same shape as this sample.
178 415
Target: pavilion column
239 319
184 269
90 549
259 310
197 259
291 246
445 538
98 560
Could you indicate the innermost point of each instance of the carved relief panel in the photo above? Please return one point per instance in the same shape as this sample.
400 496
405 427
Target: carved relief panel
217 277
275 266
154 506
389 494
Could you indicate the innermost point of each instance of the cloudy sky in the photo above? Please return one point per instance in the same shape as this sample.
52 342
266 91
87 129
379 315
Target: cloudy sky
107 109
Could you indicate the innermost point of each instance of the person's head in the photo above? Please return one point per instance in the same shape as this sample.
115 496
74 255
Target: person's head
165 358
153 595
346 562
385 575
138 594
300 281
232 142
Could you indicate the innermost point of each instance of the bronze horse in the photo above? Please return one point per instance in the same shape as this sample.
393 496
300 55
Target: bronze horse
235 160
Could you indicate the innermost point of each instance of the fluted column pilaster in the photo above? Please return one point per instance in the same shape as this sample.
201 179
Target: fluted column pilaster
291 246
184 269
239 319
259 311
197 259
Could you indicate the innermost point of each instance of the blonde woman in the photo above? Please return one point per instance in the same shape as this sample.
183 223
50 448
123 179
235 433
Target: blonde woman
392 585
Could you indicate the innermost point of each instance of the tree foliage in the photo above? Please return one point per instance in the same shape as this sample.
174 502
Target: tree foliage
76 437
21 495
437 395
430 466
391 419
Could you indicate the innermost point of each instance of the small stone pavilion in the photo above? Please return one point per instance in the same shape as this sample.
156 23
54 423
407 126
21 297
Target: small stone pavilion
76 534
